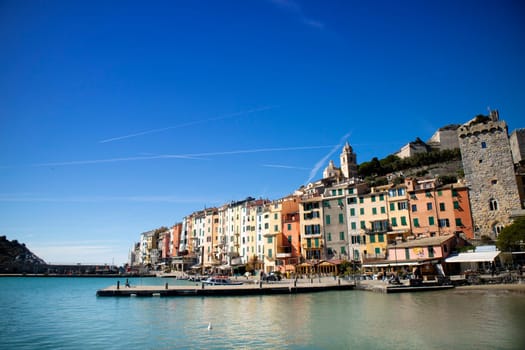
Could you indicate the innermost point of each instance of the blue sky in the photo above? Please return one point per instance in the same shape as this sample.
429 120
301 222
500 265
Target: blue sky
117 117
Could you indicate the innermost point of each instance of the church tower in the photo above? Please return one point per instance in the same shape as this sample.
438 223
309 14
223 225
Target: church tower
348 162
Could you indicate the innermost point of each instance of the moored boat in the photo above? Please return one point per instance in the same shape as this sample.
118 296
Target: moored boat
221 281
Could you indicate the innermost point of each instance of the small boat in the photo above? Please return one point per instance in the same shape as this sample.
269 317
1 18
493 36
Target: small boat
221 281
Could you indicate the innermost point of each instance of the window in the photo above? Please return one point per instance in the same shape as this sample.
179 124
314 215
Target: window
341 218
381 197
334 192
341 236
340 202
289 227
289 239
276 228
392 206
493 182
381 237
443 223
428 194
361 211
326 204
316 241
372 238
351 200
493 204
266 225
456 205
308 243
327 219
383 210
454 193
431 220
340 191
458 222
416 222
392 193
429 206
363 225
353 226
394 221
414 208
442 206
350 191
270 239
374 211
440 193
377 251
407 254
483 144
373 198
329 236
430 251
275 216
352 212
400 191
361 200
403 220
269 253
402 205
343 250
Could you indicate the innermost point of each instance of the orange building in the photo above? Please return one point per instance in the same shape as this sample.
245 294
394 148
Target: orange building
439 210
289 245
176 233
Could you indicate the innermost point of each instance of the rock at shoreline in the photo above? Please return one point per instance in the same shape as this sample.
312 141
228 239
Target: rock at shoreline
15 257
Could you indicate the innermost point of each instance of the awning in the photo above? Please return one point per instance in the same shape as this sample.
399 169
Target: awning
472 257
403 263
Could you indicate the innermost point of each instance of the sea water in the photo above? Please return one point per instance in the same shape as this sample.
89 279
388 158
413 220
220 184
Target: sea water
65 313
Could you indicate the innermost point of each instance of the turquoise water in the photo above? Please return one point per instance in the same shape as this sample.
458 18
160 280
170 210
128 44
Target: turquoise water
64 313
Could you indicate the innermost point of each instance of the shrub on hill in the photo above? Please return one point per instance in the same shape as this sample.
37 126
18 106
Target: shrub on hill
393 163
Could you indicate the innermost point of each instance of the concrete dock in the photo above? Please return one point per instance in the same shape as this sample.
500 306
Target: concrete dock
200 289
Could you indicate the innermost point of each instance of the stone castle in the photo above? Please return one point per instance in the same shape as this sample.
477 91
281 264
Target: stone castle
489 173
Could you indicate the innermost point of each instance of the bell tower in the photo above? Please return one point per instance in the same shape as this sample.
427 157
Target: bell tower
348 162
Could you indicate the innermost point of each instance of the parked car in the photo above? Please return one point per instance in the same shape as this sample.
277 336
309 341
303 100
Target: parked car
272 276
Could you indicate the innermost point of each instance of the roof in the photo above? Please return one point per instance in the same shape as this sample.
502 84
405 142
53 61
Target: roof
422 242
472 257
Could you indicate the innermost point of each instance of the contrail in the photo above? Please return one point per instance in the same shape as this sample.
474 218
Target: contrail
323 160
283 166
198 156
153 131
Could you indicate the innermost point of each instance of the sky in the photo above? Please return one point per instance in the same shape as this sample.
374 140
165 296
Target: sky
118 117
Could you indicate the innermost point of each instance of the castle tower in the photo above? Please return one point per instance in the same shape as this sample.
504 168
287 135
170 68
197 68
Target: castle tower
489 173
348 162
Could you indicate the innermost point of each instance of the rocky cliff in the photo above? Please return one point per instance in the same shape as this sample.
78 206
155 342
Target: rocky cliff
15 257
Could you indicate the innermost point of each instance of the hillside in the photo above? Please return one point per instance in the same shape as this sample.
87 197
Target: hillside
16 258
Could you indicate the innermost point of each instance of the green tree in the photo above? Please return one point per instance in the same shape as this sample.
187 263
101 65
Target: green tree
512 237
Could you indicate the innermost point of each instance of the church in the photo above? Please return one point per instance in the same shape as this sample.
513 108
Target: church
348 169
